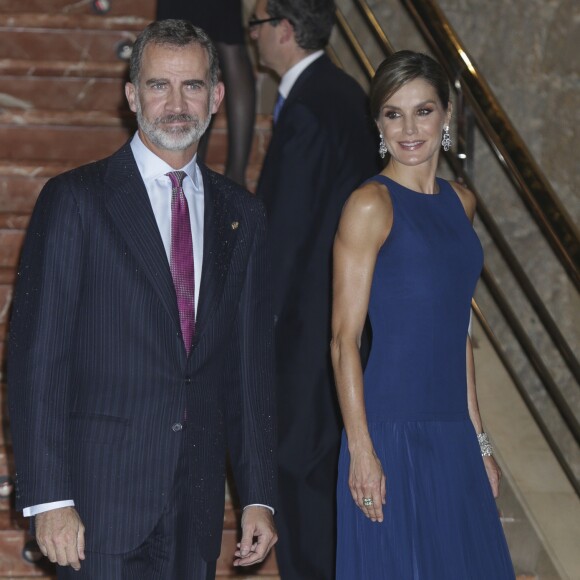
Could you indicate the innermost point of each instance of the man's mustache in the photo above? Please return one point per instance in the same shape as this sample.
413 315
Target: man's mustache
177 118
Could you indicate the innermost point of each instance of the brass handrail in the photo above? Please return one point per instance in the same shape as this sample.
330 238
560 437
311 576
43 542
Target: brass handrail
529 180
354 44
376 28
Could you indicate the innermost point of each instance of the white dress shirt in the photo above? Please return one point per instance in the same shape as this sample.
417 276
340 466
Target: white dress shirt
291 75
153 171
158 185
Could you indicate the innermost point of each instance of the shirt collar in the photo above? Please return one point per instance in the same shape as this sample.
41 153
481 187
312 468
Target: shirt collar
292 74
152 167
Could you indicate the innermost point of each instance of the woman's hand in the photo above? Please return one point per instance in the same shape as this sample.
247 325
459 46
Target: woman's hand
367 481
493 474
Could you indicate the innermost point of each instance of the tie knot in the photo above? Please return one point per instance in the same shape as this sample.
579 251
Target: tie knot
177 178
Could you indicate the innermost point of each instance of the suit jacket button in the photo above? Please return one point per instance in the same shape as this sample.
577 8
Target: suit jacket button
188 380
177 427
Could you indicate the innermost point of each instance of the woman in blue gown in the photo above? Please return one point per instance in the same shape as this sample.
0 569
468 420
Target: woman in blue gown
417 480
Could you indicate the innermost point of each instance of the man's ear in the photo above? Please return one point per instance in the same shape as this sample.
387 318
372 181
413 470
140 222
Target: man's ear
218 96
131 94
286 30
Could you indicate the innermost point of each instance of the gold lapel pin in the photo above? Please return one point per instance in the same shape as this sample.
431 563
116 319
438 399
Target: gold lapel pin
235 225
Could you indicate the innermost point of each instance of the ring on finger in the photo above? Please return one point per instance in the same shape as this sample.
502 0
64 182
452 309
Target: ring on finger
367 501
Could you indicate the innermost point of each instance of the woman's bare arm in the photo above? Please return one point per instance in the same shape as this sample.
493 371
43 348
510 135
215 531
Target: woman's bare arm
364 227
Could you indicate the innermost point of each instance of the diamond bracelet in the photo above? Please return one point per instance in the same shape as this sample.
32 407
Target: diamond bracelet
484 445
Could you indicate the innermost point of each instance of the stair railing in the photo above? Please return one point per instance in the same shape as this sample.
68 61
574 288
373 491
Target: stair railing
511 151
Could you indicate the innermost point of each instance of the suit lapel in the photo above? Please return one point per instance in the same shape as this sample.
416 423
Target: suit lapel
220 232
129 206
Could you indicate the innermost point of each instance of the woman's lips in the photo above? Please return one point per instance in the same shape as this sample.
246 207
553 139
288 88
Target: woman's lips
410 145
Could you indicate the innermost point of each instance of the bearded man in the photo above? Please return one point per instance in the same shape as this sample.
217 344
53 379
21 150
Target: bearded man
141 343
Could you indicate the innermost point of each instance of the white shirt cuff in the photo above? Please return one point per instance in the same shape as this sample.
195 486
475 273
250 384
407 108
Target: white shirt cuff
261 505
45 507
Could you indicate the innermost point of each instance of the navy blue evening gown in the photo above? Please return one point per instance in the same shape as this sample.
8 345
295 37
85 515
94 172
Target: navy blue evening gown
440 519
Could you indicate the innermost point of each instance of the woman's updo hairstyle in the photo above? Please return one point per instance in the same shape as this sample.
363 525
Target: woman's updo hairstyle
400 68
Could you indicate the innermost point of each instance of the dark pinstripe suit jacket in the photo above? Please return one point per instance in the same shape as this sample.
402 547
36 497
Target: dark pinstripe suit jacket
98 373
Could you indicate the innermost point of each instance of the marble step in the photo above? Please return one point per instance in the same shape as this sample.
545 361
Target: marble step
10 243
45 21
12 564
6 455
20 183
78 137
71 38
6 461
69 93
58 69
142 8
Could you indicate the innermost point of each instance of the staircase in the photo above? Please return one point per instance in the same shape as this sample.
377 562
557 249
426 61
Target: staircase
62 105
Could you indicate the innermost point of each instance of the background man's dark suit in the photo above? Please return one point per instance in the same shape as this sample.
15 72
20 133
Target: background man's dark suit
99 378
322 148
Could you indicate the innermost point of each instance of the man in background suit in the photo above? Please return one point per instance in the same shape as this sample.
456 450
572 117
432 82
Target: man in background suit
322 148
133 364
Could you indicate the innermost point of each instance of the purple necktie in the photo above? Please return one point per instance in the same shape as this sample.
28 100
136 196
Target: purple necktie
181 262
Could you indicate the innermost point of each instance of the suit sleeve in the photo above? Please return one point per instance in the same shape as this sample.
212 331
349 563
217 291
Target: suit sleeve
41 344
251 408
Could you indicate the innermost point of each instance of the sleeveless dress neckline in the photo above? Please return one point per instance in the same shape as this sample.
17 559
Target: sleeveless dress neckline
438 180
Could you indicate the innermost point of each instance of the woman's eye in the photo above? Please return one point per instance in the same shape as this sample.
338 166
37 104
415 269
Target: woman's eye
391 115
424 112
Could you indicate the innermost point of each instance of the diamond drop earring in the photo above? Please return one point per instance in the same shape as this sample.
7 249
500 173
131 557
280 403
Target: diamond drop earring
446 141
382 147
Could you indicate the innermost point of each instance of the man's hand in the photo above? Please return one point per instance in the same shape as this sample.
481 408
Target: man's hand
60 535
258 536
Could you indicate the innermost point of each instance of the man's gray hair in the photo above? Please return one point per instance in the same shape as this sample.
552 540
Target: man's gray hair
173 33
312 20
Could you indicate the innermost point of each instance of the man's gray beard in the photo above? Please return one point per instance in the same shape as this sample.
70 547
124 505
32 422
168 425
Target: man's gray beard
174 138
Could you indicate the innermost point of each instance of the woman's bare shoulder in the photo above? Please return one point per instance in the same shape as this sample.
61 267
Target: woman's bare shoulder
369 198
368 211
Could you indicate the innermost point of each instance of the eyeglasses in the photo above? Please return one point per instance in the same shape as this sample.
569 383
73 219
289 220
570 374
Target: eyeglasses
253 22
